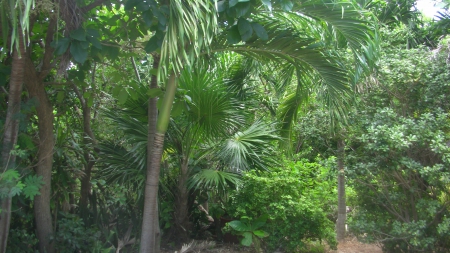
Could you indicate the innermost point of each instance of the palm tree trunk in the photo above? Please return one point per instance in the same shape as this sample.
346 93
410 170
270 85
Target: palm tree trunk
11 133
150 214
152 118
342 206
181 211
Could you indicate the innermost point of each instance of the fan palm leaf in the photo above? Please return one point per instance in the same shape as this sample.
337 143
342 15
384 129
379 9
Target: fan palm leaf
248 149
213 111
210 179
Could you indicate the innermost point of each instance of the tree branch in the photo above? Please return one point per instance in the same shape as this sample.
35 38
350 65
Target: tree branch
48 53
135 69
80 96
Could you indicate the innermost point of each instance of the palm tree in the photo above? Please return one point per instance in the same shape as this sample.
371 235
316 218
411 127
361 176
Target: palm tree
201 134
191 26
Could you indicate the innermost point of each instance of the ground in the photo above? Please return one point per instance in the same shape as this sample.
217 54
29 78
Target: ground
350 246
353 246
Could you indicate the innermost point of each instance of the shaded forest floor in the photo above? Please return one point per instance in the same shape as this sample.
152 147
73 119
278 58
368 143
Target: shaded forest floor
352 245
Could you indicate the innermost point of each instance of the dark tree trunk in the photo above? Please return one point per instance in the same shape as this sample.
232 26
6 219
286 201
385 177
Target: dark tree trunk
89 142
11 131
342 206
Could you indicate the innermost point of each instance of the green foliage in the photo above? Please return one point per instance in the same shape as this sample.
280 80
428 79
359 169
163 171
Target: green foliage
400 165
19 240
250 230
213 179
249 148
72 235
12 185
296 200
402 177
14 15
32 185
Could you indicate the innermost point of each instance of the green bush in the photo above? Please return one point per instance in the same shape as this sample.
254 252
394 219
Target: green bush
401 176
72 236
20 240
294 198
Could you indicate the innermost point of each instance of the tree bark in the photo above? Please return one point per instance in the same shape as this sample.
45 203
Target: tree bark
181 210
342 206
89 142
152 118
35 85
150 213
11 133
148 235
44 165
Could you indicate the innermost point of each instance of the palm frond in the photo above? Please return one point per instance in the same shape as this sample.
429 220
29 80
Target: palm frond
250 149
191 27
291 104
211 108
210 179
344 18
118 166
292 46
301 44
15 14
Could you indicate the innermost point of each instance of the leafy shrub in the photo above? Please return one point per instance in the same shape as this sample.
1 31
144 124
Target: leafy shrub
72 236
20 240
295 200
401 174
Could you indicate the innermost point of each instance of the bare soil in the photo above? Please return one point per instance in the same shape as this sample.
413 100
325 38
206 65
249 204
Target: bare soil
352 245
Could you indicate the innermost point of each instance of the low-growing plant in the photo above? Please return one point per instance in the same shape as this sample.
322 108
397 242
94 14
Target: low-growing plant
250 230
72 236
20 240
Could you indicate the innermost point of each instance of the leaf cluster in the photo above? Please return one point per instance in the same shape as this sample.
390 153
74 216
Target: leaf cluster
294 198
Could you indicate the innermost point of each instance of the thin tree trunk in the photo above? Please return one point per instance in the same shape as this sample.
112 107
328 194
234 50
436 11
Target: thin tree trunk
342 206
11 133
152 118
153 115
90 142
150 214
